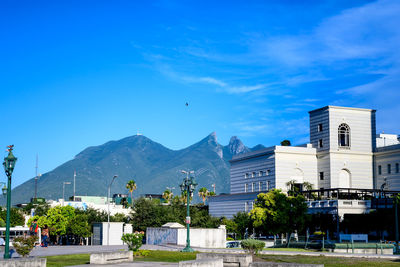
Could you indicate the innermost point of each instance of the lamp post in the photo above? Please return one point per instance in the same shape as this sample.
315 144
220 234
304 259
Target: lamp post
9 164
64 183
108 210
188 185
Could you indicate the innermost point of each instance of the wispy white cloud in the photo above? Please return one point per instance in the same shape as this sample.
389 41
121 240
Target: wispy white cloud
221 85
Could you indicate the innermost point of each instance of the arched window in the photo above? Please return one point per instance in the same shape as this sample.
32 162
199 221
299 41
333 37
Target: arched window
344 135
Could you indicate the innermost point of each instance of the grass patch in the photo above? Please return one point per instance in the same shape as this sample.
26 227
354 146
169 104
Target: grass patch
167 256
66 260
332 261
290 249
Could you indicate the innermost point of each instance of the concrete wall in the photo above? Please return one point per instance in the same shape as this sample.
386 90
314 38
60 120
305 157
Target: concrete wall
203 237
23 262
100 233
160 235
199 237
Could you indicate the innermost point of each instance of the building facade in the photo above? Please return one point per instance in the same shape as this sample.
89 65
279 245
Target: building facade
344 152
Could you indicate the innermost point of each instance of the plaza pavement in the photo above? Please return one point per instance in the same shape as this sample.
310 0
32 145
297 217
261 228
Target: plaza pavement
65 250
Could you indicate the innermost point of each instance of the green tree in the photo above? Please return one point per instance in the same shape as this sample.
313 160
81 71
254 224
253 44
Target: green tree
131 186
286 143
58 219
79 226
274 212
204 194
271 212
16 216
167 195
243 222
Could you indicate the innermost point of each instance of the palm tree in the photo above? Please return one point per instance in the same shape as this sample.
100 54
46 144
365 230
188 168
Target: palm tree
131 185
203 193
291 186
167 195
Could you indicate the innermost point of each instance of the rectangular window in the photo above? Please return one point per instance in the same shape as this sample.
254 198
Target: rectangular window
389 169
253 174
397 168
267 172
253 187
246 175
321 176
260 186
379 169
245 188
268 185
246 206
320 144
260 173
320 127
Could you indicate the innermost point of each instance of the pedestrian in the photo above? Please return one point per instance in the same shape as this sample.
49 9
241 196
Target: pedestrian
33 228
45 236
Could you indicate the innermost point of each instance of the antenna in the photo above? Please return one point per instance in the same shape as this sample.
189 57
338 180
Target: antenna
36 176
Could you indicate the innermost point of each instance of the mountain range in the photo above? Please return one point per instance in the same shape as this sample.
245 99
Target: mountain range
153 167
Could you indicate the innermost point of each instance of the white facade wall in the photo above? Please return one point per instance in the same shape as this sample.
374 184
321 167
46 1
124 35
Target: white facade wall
383 157
295 163
344 166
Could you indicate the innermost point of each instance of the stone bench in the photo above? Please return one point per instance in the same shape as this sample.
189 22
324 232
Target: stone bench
239 260
111 257
23 262
282 264
202 263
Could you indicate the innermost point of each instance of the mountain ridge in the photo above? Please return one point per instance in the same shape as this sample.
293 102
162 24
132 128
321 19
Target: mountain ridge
152 165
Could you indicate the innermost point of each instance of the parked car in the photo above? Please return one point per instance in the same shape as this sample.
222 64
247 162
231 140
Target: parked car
233 244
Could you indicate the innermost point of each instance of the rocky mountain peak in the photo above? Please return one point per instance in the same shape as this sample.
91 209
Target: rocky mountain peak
236 146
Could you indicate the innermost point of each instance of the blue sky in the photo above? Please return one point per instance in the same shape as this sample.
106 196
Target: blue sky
80 73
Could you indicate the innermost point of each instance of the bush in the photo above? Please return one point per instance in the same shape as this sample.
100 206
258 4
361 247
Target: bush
134 240
141 253
24 245
252 246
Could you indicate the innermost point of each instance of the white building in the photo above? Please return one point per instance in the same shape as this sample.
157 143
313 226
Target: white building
344 152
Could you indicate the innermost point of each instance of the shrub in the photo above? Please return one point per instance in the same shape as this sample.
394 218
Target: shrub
252 246
24 245
141 253
134 240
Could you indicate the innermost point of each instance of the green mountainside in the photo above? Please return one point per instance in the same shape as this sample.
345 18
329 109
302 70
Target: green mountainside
153 167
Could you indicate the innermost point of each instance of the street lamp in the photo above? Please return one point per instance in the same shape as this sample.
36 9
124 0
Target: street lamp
108 210
9 164
4 189
64 183
188 185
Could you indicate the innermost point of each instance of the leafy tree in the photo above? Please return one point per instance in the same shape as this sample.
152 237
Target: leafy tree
93 215
203 193
79 226
131 185
243 222
119 217
40 209
58 219
274 212
286 143
167 195
134 240
16 216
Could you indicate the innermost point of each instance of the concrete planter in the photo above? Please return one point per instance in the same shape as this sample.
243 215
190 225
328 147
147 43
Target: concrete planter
23 262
